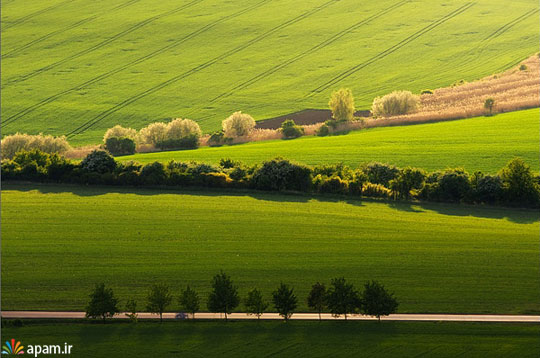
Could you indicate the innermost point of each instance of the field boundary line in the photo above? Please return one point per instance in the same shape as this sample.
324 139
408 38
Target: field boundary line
89 124
137 61
347 73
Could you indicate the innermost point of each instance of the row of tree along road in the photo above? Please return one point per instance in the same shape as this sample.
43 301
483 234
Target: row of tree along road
341 299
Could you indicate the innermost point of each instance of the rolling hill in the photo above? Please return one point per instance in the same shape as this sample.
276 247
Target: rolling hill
482 143
76 67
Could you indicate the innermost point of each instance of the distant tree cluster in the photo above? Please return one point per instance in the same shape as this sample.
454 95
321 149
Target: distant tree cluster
340 299
514 185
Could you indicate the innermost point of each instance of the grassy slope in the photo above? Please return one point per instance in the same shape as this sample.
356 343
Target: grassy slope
306 339
484 143
136 77
437 258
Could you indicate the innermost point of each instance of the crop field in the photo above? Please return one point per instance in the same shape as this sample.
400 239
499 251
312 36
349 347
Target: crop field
77 67
435 257
294 339
483 143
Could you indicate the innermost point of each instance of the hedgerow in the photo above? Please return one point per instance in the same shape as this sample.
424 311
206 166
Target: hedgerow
515 185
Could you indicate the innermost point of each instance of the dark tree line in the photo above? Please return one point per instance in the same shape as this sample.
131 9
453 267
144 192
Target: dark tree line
341 298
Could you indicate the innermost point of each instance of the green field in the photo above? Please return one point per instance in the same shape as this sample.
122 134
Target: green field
58 241
484 143
294 339
78 67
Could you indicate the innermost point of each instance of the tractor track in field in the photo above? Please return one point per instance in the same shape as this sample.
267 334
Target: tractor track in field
137 61
101 44
89 124
308 52
501 30
65 29
34 14
347 73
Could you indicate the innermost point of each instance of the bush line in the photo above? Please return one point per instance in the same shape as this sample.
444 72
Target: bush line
514 185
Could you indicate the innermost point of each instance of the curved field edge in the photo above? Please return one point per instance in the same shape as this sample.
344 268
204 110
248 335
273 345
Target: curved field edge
294 339
482 143
130 64
437 258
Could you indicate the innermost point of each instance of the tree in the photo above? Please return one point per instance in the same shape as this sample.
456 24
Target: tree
159 298
376 301
255 304
317 298
342 105
489 104
98 161
238 124
284 301
519 184
102 303
224 296
131 310
189 300
343 299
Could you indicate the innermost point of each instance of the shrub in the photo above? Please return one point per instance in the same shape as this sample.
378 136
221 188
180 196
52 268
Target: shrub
10 170
280 174
395 103
216 139
128 173
14 143
519 184
189 142
182 128
59 168
153 174
379 173
407 180
179 133
153 133
342 171
323 131
332 185
375 190
357 182
290 130
451 185
238 174
227 163
120 145
98 161
489 104
119 131
342 104
486 188
523 67
238 124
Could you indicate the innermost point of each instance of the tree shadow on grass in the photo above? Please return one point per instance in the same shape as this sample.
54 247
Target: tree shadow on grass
516 215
